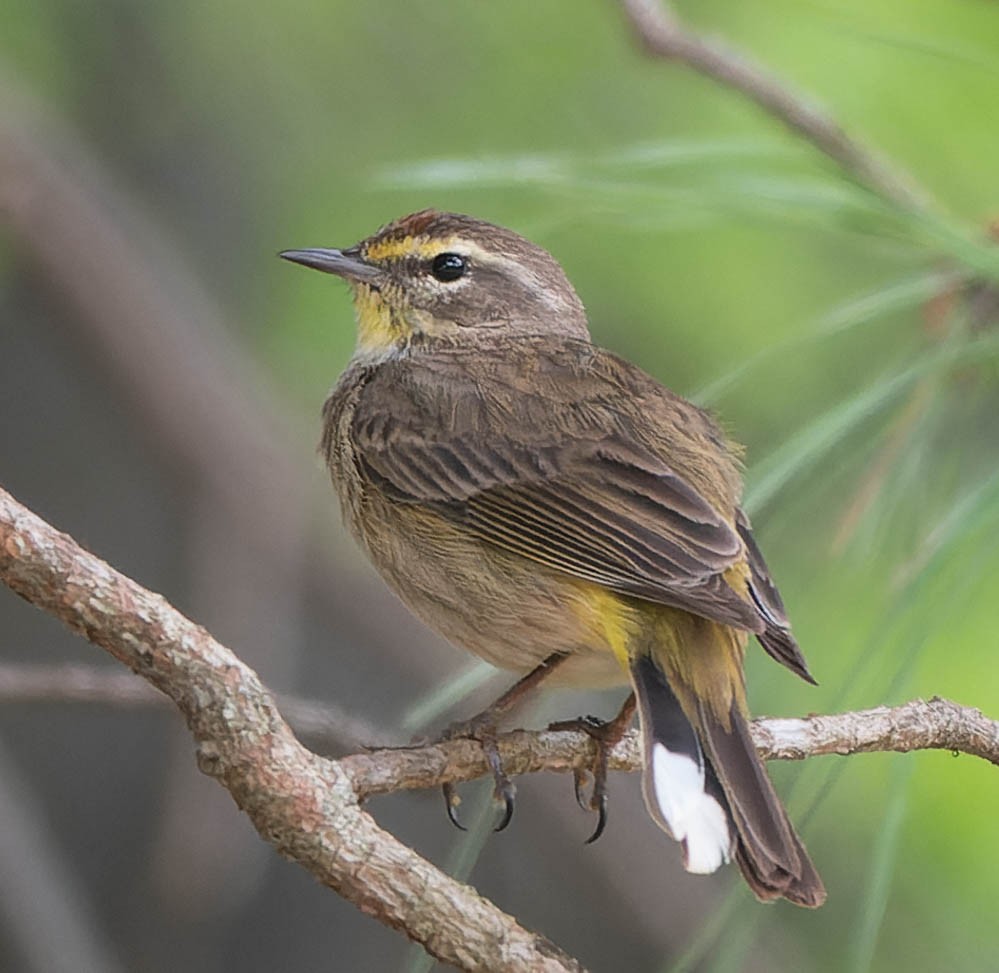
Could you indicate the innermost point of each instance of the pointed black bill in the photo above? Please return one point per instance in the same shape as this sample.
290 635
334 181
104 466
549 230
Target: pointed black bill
339 262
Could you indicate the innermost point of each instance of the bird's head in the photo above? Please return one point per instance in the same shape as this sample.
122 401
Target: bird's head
442 276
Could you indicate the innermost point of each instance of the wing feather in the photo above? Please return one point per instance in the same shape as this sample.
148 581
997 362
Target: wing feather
588 494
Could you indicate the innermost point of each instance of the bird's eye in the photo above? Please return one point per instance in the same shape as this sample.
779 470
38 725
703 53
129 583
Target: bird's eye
447 267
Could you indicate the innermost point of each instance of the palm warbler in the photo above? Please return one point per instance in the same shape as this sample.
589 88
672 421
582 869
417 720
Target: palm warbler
538 500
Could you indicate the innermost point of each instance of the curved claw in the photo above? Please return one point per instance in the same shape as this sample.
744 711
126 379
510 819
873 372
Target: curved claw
605 736
508 805
503 791
503 788
451 802
597 801
601 820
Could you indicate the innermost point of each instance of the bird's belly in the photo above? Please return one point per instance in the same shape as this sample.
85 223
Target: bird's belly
504 608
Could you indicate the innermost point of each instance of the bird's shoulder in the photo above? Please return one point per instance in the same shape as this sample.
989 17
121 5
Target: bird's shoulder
545 393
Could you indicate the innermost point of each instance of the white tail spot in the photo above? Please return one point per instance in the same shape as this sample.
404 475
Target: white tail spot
691 815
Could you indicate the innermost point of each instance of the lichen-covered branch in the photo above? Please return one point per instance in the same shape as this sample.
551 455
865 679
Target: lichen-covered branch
302 804
309 807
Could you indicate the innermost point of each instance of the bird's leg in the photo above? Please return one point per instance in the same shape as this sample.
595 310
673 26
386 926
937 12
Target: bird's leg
606 734
482 728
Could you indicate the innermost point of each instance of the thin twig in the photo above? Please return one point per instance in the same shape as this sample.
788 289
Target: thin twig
937 724
323 725
934 724
663 35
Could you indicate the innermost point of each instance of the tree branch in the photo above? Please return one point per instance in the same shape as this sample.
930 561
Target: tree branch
309 809
303 805
937 724
663 35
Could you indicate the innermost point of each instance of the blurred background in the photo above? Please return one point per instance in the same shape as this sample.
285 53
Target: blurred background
161 375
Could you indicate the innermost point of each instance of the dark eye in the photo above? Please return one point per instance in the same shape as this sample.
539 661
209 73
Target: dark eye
448 266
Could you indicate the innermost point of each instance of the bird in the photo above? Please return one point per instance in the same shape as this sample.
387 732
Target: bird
552 508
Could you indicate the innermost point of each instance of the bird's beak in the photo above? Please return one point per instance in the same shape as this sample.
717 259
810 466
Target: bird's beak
340 262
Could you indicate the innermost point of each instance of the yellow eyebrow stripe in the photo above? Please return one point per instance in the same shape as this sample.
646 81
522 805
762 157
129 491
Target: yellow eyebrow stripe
408 246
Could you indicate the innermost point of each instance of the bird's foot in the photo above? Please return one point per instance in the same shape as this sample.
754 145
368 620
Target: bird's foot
482 729
606 734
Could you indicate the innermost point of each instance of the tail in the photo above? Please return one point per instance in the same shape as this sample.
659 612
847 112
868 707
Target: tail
706 786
